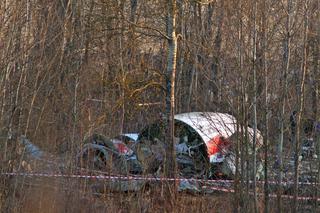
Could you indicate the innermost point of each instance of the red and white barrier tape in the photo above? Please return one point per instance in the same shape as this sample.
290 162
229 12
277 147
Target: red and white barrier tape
139 177
136 177
261 194
114 177
226 181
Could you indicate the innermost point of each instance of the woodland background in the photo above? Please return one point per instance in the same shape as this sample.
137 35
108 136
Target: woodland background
71 68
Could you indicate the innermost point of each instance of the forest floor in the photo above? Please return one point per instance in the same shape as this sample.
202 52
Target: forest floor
56 194
49 194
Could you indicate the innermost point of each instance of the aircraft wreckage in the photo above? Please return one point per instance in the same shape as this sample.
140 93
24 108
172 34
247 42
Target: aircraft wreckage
204 144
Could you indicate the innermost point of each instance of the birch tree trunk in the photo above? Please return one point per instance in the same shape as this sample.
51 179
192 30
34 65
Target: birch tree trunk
170 159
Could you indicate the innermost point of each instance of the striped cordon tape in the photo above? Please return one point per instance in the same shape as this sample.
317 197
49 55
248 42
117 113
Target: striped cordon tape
148 178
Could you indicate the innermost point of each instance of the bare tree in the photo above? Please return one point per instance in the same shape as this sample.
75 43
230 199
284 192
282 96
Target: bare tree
301 101
254 55
266 105
170 164
283 89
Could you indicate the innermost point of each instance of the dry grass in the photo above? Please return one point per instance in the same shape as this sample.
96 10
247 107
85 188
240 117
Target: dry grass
37 195
50 195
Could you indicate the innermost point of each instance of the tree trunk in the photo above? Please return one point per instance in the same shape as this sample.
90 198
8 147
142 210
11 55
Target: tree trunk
283 88
301 107
217 90
316 102
254 53
266 109
170 159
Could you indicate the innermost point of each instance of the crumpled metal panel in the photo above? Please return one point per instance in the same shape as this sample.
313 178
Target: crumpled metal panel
211 124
